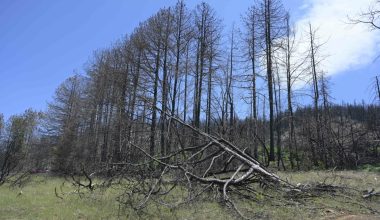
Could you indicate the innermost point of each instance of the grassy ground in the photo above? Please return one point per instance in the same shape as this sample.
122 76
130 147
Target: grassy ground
37 200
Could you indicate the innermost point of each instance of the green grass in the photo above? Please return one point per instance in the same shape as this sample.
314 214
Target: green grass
371 168
37 200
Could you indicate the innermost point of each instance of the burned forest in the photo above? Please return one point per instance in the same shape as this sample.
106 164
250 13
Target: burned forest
187 108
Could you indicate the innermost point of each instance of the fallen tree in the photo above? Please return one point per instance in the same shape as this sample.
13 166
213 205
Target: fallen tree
213 168
215 164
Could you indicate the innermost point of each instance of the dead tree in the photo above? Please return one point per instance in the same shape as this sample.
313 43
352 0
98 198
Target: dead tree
212 39
294 72
16 145
271 23
167 22
251 41
377 87
182 33
289 48
230 93
179 18
277 93
156 62
268 43
214 164
201 18
314 75
186 73
370 17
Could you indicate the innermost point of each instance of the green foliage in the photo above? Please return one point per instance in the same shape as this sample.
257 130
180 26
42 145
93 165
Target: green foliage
370 167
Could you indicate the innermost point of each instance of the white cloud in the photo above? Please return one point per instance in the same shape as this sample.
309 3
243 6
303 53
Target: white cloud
346 46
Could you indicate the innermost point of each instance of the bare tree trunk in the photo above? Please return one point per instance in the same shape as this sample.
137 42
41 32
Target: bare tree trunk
122 120
209 89
292 138
230 89
251 40
316 97
268 49
154 111
165 147
178 54
134 95
186 75
196 94
378 87
278 119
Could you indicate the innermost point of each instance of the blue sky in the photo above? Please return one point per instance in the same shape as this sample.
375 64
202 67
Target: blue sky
42 42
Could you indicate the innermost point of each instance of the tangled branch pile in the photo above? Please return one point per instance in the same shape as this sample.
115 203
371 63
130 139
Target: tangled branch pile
213 168
207 164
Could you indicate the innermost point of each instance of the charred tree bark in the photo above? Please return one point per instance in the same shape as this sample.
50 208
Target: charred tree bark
155 98
315 97
268 51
